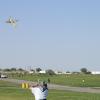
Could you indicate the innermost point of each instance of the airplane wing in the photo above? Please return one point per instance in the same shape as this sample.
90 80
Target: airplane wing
8 21
14 24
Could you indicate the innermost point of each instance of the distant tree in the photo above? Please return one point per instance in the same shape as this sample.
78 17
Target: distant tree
32 70
83 70
88 72
50 72
20 69
7 69
38 69
13 69
67 71
75 72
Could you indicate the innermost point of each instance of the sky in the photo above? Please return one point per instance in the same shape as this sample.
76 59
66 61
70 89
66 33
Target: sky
50 34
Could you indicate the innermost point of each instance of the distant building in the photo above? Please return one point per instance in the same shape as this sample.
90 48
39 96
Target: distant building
58 72
42 72
31 72
68 73
61 72
95 72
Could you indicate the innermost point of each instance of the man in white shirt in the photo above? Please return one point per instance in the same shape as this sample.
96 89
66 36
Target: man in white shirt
40 91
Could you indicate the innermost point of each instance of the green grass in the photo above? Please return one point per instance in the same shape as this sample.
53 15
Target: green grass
10 91
71 80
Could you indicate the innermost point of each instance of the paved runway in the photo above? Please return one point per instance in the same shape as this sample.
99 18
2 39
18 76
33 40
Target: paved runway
59 87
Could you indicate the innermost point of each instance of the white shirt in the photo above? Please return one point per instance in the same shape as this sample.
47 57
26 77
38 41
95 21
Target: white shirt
39 93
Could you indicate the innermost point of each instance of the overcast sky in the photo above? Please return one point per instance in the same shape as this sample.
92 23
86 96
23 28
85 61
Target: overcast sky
54 34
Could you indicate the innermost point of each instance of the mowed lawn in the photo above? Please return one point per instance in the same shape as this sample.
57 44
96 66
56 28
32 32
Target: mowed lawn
9 91
71 80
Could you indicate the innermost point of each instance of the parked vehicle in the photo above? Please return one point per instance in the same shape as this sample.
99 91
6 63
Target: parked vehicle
3 76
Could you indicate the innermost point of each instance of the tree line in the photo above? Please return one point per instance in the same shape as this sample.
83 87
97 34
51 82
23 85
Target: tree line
49 71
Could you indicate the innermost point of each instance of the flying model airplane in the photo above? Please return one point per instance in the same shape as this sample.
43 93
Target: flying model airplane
12 21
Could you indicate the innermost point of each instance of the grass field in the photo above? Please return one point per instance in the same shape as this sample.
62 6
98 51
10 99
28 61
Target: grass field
71 80
9 91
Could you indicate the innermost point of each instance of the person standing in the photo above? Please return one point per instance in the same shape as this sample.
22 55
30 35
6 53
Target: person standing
40 91
48 80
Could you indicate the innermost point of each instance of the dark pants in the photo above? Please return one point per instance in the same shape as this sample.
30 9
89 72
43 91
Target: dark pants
43 99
